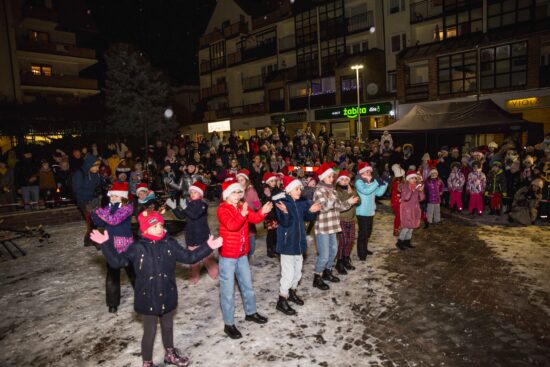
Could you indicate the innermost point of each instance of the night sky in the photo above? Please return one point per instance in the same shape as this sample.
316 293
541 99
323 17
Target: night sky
167 30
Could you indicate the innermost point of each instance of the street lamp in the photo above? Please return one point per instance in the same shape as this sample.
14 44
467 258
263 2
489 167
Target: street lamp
359 130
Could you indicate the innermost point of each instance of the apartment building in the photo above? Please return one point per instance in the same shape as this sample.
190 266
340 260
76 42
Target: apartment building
267 62
465 50
41 86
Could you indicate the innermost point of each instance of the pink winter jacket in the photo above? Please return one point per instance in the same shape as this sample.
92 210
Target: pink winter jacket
410 208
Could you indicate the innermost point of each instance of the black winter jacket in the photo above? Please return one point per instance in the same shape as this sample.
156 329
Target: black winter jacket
196 216
154 263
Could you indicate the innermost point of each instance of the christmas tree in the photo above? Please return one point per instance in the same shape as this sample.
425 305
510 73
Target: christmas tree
136 95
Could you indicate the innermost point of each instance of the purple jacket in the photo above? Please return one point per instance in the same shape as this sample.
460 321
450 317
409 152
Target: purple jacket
410 207
435 188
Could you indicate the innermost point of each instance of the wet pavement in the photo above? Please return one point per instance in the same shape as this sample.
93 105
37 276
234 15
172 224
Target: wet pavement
469 294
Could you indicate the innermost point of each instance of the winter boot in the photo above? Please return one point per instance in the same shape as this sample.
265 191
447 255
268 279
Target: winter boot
318 283
340 267
257 318
369 252
408 244
401 245
284 307
327 275
348 264
232 332
173 357
293 297
426 225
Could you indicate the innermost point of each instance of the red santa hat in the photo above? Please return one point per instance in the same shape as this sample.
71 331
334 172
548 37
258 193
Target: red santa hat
268 176
142 187
325 170
244 172
198 186
119 189
364 167
290 183
411 174
343 174
230 177
148 219
230 186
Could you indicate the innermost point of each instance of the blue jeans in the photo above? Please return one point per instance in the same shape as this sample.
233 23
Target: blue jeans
327 248
252 242
228 269
30 194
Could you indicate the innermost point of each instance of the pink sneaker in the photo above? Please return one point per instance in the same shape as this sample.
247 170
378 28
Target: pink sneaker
173 357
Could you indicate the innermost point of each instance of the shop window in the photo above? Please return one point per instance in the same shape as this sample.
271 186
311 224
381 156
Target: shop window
504 66
457 73
398 42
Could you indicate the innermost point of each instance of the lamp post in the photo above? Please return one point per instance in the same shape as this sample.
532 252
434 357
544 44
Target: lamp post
359 129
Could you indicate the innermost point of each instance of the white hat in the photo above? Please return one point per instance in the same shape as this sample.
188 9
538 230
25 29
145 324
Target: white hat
229 187
397 170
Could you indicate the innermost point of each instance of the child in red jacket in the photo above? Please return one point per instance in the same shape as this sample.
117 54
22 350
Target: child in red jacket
234 217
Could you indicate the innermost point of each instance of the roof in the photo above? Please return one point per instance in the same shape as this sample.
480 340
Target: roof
448 116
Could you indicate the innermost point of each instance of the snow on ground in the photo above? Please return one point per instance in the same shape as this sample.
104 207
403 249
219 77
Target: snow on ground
53 302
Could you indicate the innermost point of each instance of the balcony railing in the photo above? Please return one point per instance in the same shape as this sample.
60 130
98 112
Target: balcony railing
253 82
277 106
234 58
318 100
55 49
360 22
207 39
214 91
417 92
249 109
287 43
58 81
425 9
235 29
265 49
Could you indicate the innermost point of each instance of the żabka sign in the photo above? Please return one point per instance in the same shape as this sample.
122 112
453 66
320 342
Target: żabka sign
350 112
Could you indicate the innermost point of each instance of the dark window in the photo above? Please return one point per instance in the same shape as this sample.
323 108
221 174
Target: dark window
457 73
331 51
501 13
396 6
398 42
467 21
37 36
504 66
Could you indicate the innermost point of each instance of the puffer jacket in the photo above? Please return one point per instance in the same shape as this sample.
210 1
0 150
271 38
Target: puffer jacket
234 229
291 233
86 185
496 183
117 220
434 188
367 193
476 182
395 193
456 181
154 263
196 216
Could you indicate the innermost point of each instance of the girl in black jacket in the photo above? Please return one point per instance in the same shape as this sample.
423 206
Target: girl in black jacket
154 259
195 212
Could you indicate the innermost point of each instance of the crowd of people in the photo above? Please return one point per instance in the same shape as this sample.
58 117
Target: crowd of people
291 185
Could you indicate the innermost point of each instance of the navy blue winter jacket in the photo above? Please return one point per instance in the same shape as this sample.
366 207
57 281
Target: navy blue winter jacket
154 263
196 216
85 183
291 233
117 221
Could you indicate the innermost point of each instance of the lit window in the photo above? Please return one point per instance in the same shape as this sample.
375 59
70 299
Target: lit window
36 70
47 70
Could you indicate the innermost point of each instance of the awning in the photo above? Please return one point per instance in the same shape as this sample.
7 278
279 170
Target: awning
452 116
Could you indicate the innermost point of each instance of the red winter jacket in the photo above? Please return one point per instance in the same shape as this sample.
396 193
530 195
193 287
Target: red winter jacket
395 193
234 229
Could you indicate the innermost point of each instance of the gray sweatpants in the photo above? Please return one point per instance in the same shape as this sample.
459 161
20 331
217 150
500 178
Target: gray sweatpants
434 213
405 234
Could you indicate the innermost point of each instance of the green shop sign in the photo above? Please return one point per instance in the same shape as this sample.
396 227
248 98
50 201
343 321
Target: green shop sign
350 112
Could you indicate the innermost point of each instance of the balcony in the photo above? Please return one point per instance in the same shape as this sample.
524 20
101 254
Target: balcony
55 49
234 58
40 12
205 67
425 9
249 109
277 106
360 22
214 91
544 76
253 83
349 96
287 43
58 81
214 36
333 28
266 49
235 29
318 100
417 92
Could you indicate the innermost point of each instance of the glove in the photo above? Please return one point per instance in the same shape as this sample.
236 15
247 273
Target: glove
380 181
171 204
183 203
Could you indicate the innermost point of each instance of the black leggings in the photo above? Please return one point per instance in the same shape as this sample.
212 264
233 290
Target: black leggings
363 235
271 241
150 331
112 284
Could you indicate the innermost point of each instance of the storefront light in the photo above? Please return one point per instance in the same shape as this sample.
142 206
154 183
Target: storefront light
392 113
